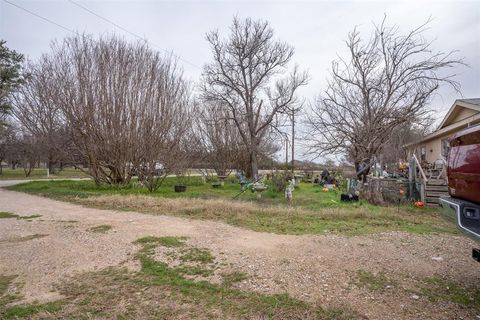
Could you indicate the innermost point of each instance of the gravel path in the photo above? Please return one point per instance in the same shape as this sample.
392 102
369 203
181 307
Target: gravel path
312 268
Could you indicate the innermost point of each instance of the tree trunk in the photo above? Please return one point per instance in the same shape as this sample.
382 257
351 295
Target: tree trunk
51 168
28 168
360 166
254 164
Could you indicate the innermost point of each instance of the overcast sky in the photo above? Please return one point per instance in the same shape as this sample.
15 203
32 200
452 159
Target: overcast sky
317 29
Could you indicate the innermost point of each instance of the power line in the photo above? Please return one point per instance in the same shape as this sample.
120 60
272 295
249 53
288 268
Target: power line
41 17
131 33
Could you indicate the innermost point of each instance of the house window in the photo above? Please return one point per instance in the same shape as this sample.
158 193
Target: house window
445 148
423 153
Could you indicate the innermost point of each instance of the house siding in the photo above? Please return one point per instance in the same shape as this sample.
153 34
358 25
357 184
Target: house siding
464 113
434 145
433 148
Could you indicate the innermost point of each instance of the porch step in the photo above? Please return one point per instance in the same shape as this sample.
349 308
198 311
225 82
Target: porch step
436 188
433 191
431 201
436 182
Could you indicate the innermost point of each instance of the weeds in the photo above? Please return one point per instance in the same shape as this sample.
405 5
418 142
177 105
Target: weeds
103 228
372 281
9 215
16 312
233 277
438 289
197 255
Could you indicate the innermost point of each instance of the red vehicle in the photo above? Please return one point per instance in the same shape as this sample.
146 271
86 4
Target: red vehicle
463 205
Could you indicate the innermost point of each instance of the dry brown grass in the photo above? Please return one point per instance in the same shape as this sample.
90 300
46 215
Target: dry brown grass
181 206
279 219
217 209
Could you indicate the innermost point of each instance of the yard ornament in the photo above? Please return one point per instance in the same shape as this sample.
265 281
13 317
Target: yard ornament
419 204
289 190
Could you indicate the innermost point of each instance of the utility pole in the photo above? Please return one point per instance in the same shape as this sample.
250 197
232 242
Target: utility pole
286 152
293 140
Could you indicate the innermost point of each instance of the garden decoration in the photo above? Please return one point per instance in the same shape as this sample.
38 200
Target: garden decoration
217 184
289 190
243 182
256 187
419 204
348 197
327 179
222 180
352 193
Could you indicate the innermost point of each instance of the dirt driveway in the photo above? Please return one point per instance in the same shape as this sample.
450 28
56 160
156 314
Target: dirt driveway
45 250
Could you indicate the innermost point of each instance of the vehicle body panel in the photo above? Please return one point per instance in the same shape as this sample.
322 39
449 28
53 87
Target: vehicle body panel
464 165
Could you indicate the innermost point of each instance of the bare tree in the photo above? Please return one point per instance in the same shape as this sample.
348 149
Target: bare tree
219 137
7 137
393 150
29 151
249 77
165 137
38 114
384 83
122 103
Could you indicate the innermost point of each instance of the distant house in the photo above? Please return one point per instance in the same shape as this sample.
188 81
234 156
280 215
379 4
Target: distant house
433 147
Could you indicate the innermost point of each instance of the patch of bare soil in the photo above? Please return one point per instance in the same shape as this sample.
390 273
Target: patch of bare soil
319 269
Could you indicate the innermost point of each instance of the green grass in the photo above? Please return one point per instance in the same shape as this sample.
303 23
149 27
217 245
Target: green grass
169 241
372 281
438 289
6 297
158 291
19 174
103 228
197 255
307 195
231 302
9 215
233 277
27 311
313 211
21 311
194 271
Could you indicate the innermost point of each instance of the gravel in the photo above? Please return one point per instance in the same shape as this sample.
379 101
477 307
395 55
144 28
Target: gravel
312 268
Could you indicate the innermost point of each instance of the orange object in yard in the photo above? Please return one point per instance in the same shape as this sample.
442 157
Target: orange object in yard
419 204
402 192
325 189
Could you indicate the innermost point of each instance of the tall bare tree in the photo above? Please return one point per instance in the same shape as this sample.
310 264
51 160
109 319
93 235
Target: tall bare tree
384 83
122 103
248 75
